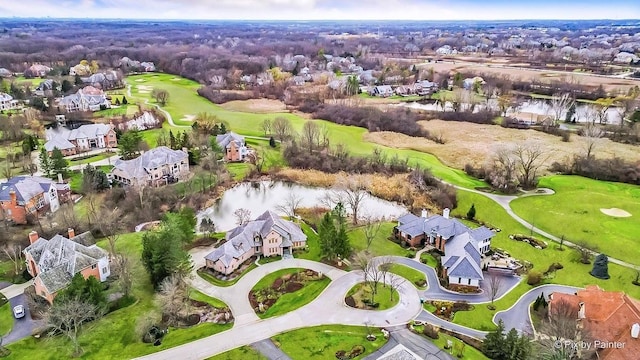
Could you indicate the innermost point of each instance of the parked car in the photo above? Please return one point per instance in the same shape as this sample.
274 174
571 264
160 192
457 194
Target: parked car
18 311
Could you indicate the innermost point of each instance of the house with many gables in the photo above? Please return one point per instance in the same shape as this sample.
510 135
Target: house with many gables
54 262
24 196
267 235
462 246
233 146
156 167
84 138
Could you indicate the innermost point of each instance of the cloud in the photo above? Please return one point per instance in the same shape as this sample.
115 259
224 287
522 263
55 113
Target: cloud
319 9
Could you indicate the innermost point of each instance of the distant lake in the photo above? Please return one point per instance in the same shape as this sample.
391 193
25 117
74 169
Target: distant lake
259 197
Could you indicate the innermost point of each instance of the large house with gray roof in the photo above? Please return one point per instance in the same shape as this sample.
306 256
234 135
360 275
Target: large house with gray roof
25 196
84 138
233 146
54 262
462 246
86 99
156 167
267 235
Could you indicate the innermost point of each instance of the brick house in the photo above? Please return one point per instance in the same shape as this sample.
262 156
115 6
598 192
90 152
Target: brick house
267 235
156 167
233 146
22 196
54 262
462 246
84 138
612 319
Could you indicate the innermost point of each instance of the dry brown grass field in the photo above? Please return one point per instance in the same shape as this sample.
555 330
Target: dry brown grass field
475 143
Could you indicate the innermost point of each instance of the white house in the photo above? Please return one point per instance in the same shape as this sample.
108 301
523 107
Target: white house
7 102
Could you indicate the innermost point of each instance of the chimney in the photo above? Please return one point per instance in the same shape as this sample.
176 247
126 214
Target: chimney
635 330
60 179
581 311
424 213
33 237
445 213
71 232
12 195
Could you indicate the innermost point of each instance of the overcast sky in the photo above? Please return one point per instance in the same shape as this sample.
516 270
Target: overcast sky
325 9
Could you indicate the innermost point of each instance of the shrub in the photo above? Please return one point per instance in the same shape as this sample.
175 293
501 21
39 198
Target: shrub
430 331
350 301
534 278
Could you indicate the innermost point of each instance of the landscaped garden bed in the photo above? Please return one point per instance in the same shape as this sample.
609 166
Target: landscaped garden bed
218 279
285 291
531 240
446 310
362 296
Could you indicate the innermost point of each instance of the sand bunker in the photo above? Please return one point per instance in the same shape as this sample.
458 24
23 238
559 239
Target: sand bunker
188 117
615 212
140 80
144 87
175 79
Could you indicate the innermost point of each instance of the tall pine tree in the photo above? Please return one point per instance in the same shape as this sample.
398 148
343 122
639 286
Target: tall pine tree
45 162
59 165
326 236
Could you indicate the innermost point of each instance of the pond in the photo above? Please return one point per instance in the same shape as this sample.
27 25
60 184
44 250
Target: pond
259 197
525 111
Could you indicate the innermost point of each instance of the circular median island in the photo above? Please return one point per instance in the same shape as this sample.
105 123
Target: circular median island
286 290
615 212
369 296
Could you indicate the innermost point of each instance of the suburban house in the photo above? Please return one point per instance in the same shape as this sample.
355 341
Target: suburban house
381 91
267 235
4 73
86 99
54 262
7 102
612 319
80 70
104 80
469 83
406 90
22 196
45 88
37 70
84 138
233 146
425 87
156 167
462 247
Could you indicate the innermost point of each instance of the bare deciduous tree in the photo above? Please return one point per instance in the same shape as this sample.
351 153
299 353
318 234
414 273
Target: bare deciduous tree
242 216
351 191
371 229
371 271
559 104
529 157
290 205
592 134
502 174
562 324
314 137
495 285
394 282
172 298
282 128
68 316
266 126
161 96
14 253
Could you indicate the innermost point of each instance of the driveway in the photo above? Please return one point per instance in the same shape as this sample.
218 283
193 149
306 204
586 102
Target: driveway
517 316
14 290
422 347
22 327
267 348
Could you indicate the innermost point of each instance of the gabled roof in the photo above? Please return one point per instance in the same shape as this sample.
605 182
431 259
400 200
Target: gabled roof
59 143
225 140
60 258
462 258
243 238
154 158
25 187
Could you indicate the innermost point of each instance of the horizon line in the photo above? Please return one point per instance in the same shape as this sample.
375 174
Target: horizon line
309 20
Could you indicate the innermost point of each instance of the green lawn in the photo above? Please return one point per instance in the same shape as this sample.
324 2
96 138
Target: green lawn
383 297
412 275
115 335
322 342
93 158
198 296
118 111
241 353
574 211
380 245
312 242
428 259
217 282
290 301
469 352
238 171
574 273
272 156
185 101
6 317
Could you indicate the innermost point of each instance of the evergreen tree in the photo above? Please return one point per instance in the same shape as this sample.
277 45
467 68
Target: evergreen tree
326 236
172 140
78 80
272 142
59 165
163 254
184 142
471 214
117 101
124 100
94 179
223 128
571 113
216 130
342 247
129 144
45 162
89 289
494 342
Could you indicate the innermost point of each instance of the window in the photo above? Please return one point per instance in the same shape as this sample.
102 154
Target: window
104 270
459 280
94 266
469 282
